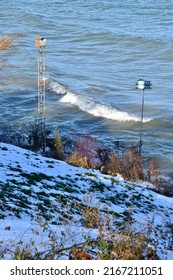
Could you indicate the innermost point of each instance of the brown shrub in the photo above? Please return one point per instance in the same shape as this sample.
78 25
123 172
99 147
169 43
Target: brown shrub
152 170
76 160
130 165
133 246
85 152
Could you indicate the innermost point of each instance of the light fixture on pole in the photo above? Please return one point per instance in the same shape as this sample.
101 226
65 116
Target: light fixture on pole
141 84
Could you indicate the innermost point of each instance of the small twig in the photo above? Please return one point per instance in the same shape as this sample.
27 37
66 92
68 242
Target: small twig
58 251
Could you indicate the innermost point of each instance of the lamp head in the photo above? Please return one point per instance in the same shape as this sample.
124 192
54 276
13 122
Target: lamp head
141 84
40 41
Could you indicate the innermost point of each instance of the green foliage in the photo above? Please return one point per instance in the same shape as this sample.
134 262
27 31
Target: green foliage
58 144
22 254
4 149
38 136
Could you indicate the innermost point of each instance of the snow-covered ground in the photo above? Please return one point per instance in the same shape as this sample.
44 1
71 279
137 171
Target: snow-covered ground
38 193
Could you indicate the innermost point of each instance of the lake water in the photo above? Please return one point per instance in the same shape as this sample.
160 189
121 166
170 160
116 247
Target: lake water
96 49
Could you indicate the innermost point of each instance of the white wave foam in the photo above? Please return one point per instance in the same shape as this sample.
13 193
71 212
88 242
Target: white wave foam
57 87
88 105
99 110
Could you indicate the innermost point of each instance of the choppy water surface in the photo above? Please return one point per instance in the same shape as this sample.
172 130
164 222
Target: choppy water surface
97 50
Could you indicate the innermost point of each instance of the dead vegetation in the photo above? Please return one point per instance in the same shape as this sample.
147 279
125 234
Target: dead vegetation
7 43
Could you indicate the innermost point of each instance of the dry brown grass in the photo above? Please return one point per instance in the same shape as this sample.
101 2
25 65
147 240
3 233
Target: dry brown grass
6 43
76 160
130 165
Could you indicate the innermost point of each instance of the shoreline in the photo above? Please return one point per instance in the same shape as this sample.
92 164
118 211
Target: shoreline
164 180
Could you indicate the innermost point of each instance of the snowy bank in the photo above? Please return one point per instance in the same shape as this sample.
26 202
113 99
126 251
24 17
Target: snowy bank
34 189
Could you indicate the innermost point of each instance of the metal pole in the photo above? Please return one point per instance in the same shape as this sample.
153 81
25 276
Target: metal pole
141 130
141 84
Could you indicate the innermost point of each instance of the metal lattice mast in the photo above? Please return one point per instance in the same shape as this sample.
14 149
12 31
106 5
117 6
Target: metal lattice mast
40 42
41 83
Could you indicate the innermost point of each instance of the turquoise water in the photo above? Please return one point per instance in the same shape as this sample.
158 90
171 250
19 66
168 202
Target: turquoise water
97 50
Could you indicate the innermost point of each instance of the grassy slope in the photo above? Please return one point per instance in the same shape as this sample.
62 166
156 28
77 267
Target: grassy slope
33 186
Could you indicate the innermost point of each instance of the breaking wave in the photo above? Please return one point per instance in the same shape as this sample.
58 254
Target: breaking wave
55 86
87 104
98 110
